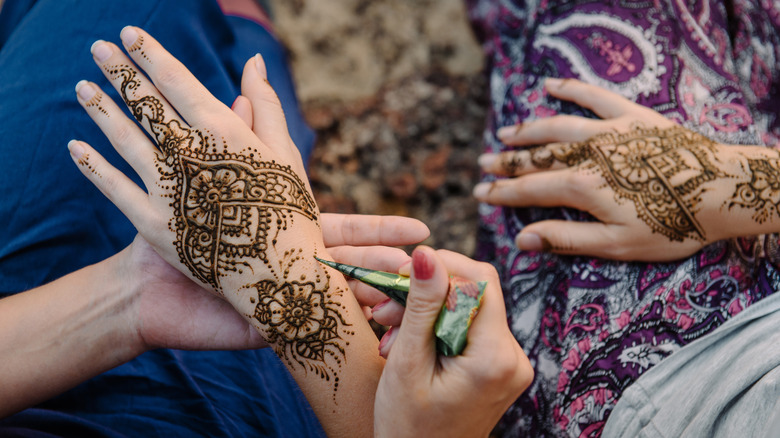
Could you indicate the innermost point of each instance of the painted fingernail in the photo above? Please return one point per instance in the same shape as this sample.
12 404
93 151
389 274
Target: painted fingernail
129 36
553 83
529 242
101 51
76 149
380 305
85 90
406 268
486 161
260 66
422 265
481 190
386 342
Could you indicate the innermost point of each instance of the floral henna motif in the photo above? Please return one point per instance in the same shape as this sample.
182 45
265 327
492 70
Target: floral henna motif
762 193
228 209
662 171
228 212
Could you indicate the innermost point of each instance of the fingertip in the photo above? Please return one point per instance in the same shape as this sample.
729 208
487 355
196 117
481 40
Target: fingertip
507 132
482 190
487 162
129 35
388 312
423 264
528 241
386 343
552 84
242 107
76 149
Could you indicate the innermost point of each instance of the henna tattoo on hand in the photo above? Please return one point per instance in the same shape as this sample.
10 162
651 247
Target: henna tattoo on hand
228 212
762 192
543 157
661 171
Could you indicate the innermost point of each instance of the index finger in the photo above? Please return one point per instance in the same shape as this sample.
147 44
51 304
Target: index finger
179 86
601 101
359 230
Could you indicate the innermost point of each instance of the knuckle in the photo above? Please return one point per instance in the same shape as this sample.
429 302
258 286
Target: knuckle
123 133
168 77
504 366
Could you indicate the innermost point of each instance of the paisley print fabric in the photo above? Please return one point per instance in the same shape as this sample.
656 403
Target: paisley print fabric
591 327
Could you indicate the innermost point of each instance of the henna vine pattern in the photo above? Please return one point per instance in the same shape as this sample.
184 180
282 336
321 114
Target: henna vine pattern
762 192
661 171
544 157
229 209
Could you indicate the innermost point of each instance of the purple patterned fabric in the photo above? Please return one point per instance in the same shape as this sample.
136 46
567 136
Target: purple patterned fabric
591 327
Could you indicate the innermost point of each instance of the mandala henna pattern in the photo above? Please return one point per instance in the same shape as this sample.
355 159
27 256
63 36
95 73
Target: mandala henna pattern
229 209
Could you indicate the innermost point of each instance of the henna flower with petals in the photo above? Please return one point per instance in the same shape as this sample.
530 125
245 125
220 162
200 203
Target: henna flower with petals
294 311
207 190
628 160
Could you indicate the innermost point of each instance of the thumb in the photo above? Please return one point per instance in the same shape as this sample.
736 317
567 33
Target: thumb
429 285
268 120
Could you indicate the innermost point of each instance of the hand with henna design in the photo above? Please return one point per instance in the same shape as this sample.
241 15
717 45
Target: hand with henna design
659 191
230 208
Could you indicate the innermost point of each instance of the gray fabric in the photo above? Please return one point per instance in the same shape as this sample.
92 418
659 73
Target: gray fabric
726 384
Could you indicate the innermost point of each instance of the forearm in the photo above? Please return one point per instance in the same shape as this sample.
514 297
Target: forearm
306 312
58 335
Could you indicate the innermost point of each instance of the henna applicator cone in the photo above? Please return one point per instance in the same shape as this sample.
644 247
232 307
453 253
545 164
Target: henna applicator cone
463 300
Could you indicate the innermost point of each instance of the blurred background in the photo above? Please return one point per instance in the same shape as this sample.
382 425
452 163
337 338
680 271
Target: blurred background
396 92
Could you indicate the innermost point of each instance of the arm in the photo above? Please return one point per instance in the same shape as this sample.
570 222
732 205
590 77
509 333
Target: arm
232 212
60 334
56 336
659 191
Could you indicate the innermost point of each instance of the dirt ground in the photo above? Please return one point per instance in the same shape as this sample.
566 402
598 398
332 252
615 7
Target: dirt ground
396 92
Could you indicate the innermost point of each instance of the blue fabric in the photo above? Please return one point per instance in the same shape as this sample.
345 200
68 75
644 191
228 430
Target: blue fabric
53 221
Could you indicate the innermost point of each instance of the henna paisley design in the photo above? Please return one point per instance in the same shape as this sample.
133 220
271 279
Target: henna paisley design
228 211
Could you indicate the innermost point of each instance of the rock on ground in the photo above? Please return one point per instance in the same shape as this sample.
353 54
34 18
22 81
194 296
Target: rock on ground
396 92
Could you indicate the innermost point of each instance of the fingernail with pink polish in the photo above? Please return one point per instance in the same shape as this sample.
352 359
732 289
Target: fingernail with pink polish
422 265
386 343
380 305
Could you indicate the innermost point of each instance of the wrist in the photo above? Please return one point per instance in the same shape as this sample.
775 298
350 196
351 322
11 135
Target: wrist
126 282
